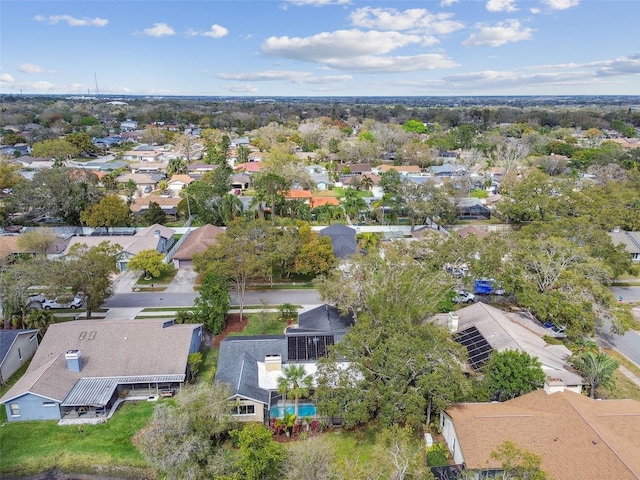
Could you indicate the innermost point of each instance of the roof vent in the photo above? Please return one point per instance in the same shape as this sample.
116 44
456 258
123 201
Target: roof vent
273 363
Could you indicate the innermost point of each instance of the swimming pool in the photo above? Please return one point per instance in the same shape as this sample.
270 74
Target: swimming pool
304 410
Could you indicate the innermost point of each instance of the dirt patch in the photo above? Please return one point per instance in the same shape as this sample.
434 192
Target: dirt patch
234 324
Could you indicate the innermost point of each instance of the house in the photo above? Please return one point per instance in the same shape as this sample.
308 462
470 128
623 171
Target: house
304 195
168 204
148 167
472 208
483 329
575 436
359 169
343 239
178 182
156 237
630 241
142 180
16 347
239 142
401 169
83 368
467 230
240 181
248 167
199 168
252 365
143 155
319 201
448 170
128 125
196 243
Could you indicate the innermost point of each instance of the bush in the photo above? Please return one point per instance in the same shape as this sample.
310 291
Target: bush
437 455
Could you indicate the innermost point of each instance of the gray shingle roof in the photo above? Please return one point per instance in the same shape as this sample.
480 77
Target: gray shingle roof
324 318
7 337
118 348
343 239
237 363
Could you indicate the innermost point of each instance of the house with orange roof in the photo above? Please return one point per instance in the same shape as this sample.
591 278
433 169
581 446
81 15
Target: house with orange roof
319 201
575 436
297 194
249 167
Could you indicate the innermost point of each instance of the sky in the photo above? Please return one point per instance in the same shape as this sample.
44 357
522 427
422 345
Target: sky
320 47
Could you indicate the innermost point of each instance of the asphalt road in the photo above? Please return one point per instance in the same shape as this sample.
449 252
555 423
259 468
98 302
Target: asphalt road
629 343
186 299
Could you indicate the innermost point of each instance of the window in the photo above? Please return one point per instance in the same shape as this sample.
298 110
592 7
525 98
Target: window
15 409
48 404
244 410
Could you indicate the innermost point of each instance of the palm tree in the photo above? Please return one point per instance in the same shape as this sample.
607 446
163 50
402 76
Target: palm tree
295 383
596 368
366 182
230 207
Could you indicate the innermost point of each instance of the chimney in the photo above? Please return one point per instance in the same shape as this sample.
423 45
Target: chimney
156 233
453 322
273 363
74 360
616 229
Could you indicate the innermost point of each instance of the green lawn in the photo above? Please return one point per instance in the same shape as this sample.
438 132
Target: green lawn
31 447
255 326
165 277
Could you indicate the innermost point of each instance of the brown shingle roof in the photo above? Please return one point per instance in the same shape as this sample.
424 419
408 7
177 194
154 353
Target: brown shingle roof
576 437
198 241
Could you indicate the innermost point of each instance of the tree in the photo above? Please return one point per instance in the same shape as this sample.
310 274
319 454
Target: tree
511 373
150 261
15 282
187 146
315 256
239 256
9 174
82 142
154 215
213 304
415 126
311 459
182 441
295 383
88 272
40 319
177 166
60 192
130 188
271 186
517 463
36 241
194 361
596 368
110 211
58 149
154 136
260 457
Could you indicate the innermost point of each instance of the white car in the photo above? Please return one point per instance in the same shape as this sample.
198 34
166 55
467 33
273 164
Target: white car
463 296
49 304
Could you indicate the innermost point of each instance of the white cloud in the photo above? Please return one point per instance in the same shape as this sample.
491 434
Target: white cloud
283 75
73 21
501 5
376 64
561 4
413 20
5 77
502 33
629 65
216 31
317 3
30 68
159 30
338 44
448 3
535 10
240 88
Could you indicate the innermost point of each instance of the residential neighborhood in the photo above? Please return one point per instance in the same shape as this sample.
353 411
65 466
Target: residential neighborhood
465 267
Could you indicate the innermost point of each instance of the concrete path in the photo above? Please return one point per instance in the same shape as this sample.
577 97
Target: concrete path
629 374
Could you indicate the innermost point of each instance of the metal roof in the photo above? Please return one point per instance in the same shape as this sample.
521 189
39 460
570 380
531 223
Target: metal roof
98 391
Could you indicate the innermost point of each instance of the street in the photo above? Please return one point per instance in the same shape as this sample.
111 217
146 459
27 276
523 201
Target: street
186 299
629 343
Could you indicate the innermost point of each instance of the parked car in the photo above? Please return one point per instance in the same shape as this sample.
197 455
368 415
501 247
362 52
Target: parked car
148 189
463 296
49 304
487 286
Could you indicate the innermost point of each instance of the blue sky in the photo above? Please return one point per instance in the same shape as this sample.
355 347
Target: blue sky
321 47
